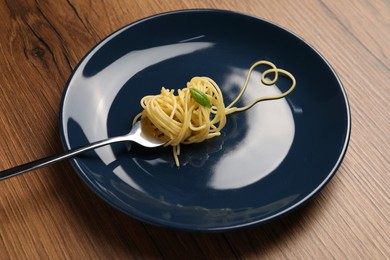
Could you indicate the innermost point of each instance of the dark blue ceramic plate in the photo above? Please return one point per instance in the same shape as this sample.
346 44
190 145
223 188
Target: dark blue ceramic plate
268 161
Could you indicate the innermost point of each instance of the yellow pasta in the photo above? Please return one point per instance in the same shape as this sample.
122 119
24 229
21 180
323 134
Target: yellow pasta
198 111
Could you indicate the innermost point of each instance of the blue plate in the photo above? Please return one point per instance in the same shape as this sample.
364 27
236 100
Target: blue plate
268 161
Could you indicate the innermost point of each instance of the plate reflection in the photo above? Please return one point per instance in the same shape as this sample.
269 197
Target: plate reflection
269 135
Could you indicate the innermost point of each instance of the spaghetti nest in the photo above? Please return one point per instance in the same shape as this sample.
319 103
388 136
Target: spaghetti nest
181 119
185 119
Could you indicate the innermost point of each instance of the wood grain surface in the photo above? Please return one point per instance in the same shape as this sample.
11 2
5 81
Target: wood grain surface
47 214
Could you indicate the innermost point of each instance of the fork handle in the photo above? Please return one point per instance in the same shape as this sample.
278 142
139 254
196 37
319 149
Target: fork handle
11 172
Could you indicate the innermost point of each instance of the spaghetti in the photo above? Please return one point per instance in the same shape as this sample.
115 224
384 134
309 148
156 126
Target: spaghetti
198 111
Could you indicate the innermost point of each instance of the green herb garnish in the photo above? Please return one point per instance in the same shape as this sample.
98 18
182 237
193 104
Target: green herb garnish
200 97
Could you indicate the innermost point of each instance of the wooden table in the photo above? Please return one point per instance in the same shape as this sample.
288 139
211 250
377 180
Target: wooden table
47 213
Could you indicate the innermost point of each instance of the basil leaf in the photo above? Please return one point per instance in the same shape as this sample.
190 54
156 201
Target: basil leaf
200 97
